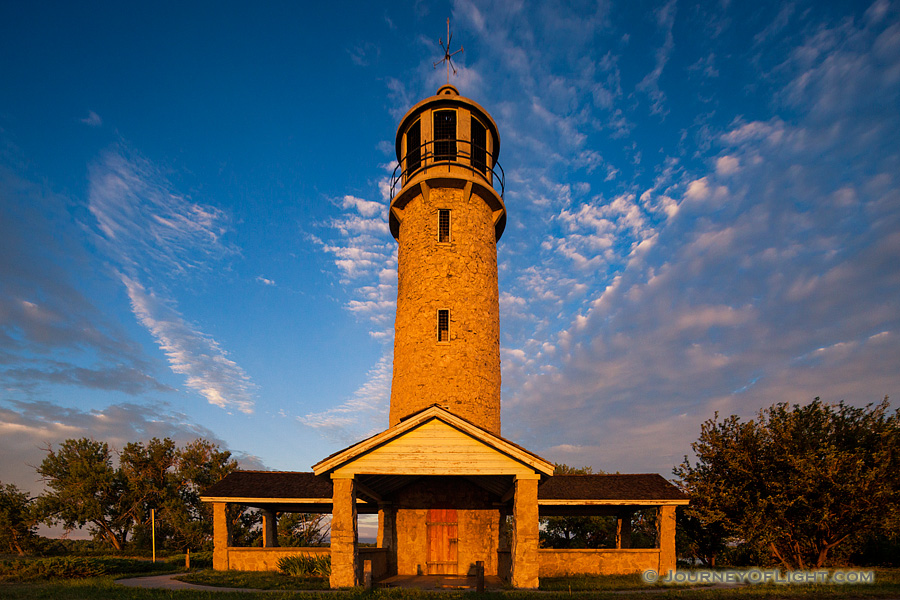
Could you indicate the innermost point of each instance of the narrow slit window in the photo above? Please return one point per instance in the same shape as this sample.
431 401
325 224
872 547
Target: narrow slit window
414 148
445 135
443 225
443 326
479 146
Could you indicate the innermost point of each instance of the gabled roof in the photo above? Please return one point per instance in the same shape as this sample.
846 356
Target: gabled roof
609 489
463 429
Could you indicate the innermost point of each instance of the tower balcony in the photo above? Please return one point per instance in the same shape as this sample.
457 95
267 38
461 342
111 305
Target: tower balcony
448 157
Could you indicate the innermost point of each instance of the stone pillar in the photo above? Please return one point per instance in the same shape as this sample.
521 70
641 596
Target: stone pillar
623 530
387 535
525 557
665 533
269 529
344 553
221 536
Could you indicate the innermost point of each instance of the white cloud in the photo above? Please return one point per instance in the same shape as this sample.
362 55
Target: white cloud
727 165
364 414
192 353
146 226
773 283
150 230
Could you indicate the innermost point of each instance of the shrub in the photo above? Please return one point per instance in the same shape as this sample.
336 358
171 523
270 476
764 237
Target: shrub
76 567
305 565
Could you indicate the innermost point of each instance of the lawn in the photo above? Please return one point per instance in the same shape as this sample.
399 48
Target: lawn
887 585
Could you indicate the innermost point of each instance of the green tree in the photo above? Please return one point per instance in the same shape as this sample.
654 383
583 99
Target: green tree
199 465
798 481
151 484
85 489
18 519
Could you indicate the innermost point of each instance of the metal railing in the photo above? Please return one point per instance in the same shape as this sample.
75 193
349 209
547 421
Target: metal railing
451 152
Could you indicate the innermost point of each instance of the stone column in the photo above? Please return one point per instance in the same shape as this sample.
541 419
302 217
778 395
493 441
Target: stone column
525 557
387 535
269 529
623 530
221 536
344 554
665 533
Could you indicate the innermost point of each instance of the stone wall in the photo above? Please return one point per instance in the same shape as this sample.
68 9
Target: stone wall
463 374
264 559
478 524
558 563
379 558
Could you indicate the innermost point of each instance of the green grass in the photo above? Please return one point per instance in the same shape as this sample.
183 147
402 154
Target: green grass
887 585
255 579
581 583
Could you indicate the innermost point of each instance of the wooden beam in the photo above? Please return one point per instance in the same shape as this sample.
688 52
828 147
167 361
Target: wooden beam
368 492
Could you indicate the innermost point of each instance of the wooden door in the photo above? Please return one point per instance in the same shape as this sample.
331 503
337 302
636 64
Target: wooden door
442 541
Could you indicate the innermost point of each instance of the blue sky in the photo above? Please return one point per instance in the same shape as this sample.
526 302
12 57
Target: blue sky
703 200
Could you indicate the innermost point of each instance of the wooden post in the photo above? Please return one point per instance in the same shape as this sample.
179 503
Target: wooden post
269 528
623 530
479 576
153 531
367 574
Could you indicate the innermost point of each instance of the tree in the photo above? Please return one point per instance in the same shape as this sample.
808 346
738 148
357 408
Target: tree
151 484
200 464
799 481
17 519
86 489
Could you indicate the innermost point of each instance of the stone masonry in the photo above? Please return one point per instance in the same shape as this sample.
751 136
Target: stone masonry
462 375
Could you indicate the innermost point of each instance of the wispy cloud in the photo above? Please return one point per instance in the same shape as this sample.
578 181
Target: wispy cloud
93 119
148 227
155 235
365 255
364 414
192 353
665 20
50 332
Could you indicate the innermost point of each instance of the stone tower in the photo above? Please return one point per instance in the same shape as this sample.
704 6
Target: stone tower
447 217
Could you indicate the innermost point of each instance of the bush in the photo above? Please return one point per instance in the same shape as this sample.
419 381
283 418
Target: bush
77 567
202 560
305 565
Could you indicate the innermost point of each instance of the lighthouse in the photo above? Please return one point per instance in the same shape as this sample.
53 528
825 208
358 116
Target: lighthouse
447 214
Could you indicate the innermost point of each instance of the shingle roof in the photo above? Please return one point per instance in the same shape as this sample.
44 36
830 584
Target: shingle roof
271 484
645 486
291 484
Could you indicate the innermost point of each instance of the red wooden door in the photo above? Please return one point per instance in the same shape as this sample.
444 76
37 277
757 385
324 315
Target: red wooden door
442 541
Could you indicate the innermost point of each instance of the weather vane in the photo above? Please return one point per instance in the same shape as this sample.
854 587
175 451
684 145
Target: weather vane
448 56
